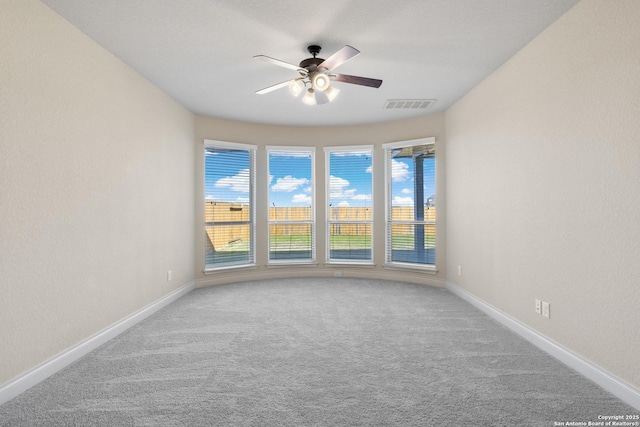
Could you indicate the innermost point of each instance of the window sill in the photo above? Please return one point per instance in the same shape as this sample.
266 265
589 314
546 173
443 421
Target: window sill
230 268
429 269
292 264
349 264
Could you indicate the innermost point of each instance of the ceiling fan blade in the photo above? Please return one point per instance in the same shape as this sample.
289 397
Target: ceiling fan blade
279 63
357 80
321 97
273 87
339 58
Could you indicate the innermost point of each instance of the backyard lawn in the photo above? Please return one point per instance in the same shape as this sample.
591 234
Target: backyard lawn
298 246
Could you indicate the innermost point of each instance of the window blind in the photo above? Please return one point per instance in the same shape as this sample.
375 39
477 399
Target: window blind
229 204
349 201
291 204
411 202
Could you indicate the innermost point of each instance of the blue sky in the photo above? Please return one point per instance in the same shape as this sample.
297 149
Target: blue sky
227 175
290 178
350 179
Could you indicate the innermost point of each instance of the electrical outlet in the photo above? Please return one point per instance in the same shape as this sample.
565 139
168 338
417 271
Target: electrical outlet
538 306
459 270
546 310
169 276
337 274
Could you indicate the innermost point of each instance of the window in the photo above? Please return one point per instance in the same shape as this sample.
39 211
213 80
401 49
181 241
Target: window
229 204
350 212
291 204
411 202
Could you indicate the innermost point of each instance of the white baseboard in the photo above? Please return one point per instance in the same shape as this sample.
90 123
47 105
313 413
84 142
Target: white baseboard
604 379
43 371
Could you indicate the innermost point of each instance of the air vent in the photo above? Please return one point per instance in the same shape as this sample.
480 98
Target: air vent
405 104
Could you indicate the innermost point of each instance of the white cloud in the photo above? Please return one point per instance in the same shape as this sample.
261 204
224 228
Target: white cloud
301 198
289 183
399 171
239 182
307 190
402 201
338 190
343 204
407 191
242 200
369 169
337 186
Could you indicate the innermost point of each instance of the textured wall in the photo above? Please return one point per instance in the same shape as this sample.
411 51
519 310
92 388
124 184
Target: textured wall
543 185
96 188
263 135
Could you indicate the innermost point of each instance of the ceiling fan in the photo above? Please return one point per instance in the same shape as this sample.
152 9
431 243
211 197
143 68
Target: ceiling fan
316 75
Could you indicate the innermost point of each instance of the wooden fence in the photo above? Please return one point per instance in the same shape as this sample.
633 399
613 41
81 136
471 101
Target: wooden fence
216 212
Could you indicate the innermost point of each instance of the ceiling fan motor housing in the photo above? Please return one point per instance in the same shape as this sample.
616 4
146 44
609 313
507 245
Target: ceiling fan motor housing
311 64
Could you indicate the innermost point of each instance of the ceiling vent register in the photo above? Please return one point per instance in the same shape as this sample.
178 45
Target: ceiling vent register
404 104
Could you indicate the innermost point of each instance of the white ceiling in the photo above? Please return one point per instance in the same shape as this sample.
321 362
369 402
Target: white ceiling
200 51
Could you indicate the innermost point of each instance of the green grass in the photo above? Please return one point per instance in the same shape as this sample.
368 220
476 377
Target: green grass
296 240
345 241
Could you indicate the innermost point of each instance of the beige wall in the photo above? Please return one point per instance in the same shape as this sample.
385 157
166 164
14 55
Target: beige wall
543 185
96 188
263 135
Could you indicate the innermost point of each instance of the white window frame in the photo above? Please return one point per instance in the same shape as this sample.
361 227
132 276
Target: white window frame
349 149
208 143
312 222
387 147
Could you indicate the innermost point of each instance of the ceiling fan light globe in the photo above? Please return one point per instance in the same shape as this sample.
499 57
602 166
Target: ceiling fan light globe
309 98
320 81
296 87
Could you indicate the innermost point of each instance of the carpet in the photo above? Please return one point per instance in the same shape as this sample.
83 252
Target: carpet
314 352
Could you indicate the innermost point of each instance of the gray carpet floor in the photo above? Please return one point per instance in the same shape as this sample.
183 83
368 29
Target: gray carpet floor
314 352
